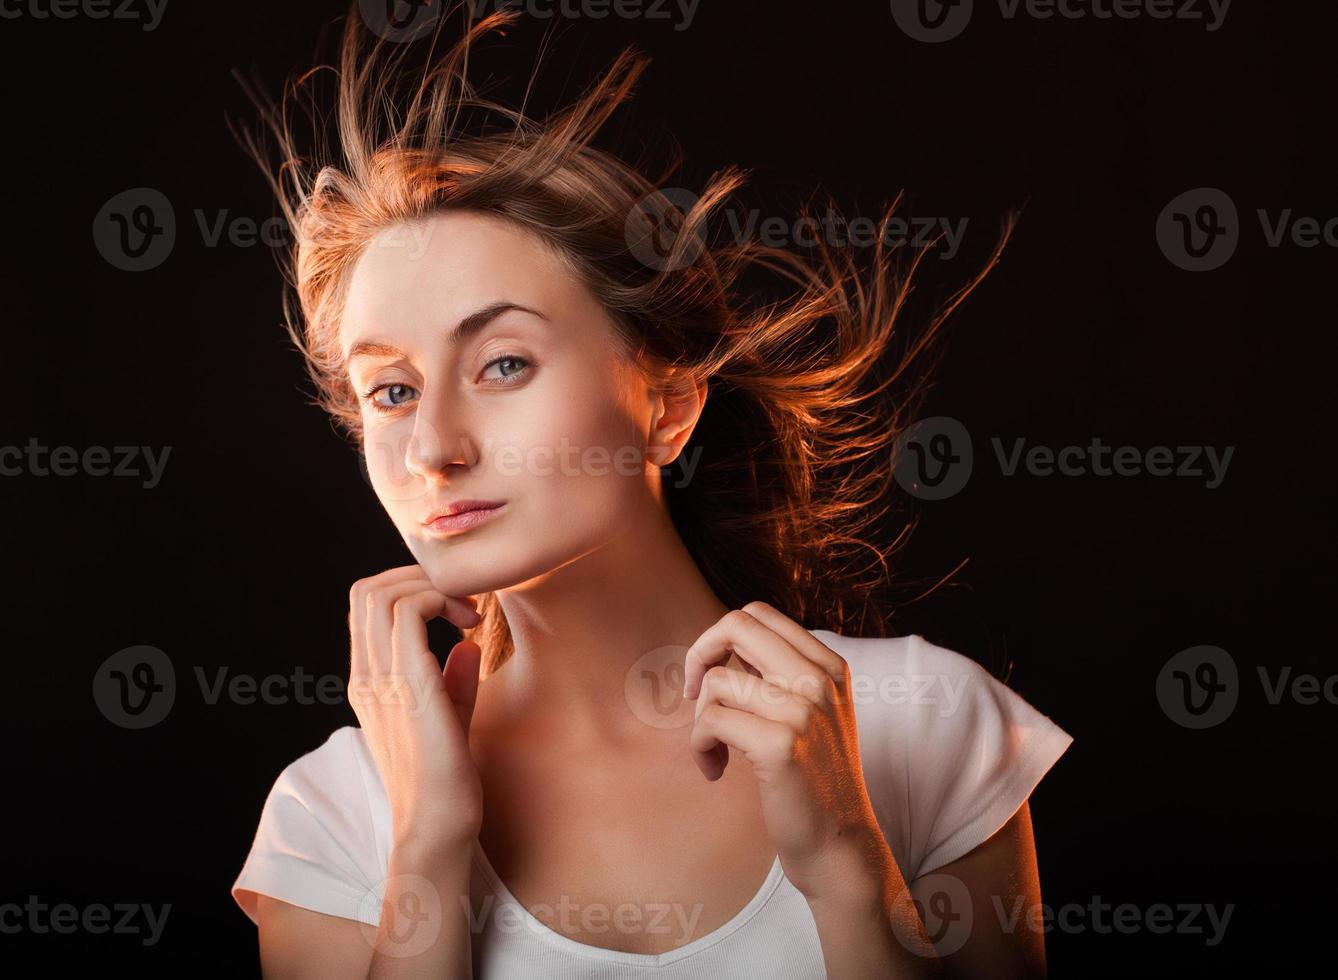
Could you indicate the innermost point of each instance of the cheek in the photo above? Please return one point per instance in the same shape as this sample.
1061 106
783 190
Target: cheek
581 454
384 448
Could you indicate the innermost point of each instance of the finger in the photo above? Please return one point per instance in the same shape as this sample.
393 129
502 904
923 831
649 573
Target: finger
357 612
461 610
408 635
738 632
380 620
731 688
736 689
799 638
720 728
458 612
380 617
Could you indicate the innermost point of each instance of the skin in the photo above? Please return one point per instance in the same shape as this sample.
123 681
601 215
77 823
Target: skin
596 586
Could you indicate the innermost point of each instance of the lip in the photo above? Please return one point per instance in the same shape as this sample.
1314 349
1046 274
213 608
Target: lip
461 515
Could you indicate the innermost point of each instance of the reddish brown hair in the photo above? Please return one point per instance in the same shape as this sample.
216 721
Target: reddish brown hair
808 391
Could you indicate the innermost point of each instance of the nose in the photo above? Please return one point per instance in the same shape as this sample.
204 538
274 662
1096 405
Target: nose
440 444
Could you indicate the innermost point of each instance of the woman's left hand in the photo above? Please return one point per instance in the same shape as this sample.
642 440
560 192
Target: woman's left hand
792 717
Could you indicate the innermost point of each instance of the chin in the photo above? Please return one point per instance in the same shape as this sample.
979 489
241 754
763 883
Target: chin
464 567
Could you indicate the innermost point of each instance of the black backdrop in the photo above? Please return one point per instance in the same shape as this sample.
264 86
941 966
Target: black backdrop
1079 588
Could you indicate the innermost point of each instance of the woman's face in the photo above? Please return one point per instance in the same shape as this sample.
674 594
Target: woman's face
486 371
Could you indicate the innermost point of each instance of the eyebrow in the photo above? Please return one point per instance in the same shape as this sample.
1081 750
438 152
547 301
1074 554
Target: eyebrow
463 330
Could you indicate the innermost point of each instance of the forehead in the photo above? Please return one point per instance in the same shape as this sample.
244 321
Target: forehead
435 271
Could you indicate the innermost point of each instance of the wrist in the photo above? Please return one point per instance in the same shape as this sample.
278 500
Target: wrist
861 875
412 849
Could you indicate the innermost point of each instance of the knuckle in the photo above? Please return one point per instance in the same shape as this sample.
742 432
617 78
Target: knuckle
736 617
757 605
840 675
713 677
826 686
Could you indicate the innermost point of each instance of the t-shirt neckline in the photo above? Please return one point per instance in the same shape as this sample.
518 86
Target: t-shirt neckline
544 932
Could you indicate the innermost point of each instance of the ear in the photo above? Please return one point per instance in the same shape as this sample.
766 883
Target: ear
678 404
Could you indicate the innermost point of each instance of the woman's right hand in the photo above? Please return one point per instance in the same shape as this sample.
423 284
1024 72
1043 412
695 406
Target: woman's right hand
414 715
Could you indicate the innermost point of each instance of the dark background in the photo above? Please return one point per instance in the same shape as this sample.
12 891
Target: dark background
1078 589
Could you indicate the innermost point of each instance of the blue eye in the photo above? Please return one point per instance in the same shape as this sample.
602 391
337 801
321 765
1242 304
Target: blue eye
517 365
510 368
396 392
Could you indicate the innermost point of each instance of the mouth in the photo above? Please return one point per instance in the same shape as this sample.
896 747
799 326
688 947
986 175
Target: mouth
463 515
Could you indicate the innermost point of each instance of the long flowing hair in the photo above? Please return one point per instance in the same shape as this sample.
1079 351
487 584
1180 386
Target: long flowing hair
812 373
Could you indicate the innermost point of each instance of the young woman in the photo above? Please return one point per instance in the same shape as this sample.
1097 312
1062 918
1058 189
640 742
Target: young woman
628 480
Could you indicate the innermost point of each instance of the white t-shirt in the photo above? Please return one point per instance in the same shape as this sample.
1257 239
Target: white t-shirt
949 755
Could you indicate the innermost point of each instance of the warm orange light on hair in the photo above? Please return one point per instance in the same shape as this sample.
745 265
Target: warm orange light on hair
807 394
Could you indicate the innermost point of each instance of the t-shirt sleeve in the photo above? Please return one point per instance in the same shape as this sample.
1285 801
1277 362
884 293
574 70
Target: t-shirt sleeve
973 752
314 845
950 753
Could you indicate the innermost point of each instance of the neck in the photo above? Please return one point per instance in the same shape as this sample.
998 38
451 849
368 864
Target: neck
580 629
